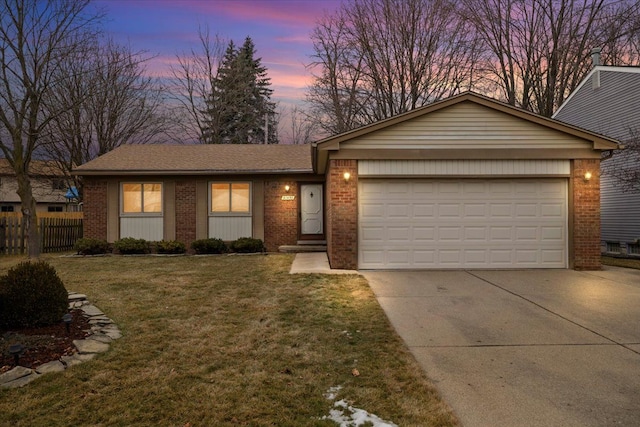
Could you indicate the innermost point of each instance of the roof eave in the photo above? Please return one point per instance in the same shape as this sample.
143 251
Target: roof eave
112 172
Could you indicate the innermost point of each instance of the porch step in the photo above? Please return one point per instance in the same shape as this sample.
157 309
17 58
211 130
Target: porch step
302 248
312 242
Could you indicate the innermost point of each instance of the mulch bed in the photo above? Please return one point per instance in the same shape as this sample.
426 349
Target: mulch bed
43 344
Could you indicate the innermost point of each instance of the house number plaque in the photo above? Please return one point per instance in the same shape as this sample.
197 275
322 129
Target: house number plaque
288 197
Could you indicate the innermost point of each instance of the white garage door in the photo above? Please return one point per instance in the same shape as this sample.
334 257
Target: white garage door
462 223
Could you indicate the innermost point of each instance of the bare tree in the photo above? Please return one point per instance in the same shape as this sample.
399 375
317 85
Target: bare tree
379 58
35 38
539 49
105 101
302 128
194 79
624 166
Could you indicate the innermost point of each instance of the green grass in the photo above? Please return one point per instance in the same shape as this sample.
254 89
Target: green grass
621 262
227 340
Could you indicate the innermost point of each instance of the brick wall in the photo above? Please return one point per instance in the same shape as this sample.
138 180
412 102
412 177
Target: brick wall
342 214
95 208
586 215
186 211
280 216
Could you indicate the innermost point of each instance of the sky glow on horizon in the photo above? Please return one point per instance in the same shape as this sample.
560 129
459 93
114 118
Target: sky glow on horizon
280 30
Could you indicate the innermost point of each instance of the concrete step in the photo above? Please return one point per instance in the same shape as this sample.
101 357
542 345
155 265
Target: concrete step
302 248
312 242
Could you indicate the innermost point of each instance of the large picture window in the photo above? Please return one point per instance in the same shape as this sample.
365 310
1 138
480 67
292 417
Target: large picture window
230 197
141 198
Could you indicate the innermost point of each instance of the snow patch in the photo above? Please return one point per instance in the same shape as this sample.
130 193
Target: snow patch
346 415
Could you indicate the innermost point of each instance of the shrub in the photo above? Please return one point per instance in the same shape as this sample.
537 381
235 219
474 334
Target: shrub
32 294
129 245
170 247
247 245
87 246
209 246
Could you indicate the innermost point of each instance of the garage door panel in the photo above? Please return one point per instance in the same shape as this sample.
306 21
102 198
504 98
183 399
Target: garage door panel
369 211
463 223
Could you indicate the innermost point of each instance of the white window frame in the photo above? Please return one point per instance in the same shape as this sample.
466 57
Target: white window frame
141 214
230 213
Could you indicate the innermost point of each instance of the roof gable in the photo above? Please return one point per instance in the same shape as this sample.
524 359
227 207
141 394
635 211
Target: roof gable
468 120
201 160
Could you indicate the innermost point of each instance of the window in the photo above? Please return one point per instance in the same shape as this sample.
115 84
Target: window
614 247
141 198
231 197
54 208
6 208
633 248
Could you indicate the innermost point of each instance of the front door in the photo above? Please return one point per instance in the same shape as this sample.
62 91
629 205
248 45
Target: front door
311 210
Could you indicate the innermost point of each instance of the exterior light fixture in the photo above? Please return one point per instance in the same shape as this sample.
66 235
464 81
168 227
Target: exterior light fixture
15 350
587 176
67 318
346 176
287 188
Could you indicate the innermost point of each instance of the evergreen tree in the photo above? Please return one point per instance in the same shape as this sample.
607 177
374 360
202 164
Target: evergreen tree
240 107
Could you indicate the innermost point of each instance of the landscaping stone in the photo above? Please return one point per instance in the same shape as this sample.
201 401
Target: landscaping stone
20 381
76 359
75 297
53 366
91 310
103 331
14 374
100 337
90 346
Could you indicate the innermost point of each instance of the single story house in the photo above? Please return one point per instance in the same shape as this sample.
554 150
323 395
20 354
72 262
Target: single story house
48 182
607 101
467 182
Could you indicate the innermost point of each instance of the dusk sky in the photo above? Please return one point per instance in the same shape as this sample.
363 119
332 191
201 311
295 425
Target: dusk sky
280 30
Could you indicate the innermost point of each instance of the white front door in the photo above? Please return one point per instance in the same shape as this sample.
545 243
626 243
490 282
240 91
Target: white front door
311 211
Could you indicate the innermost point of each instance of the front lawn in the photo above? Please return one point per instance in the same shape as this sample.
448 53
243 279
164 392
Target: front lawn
227 340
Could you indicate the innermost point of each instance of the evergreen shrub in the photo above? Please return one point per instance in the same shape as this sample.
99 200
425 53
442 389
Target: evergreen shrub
130 245
247 245
32 294
88 246
209 246
170 247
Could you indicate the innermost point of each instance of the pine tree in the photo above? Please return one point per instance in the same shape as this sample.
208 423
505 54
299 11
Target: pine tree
240 106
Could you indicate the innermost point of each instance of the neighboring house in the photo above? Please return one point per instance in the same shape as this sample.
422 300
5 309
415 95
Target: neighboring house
607 101
468 182
48 183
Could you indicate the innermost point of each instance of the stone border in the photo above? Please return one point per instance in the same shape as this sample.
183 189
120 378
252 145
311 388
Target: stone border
103 331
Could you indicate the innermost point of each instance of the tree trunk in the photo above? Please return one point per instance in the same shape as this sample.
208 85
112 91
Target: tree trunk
29 216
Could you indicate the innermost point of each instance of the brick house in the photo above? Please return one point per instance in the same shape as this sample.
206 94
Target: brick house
467 182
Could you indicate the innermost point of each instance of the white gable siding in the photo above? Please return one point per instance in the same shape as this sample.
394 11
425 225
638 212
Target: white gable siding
463 167
466 126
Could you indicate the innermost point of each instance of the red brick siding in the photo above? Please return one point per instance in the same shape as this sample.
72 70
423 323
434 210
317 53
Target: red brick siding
280 216
342 214
186 211
586 215
95 208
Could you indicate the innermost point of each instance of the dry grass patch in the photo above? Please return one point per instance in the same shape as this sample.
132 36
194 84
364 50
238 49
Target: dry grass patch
621 262
227 340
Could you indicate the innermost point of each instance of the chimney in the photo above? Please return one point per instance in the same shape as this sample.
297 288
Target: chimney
595 59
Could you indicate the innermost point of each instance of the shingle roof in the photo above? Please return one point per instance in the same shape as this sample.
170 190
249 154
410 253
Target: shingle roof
47 168
201 159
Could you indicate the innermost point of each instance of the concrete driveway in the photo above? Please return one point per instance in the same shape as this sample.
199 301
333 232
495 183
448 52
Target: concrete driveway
523 348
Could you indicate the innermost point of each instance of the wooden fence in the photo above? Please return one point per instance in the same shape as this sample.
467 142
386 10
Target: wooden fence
56 234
